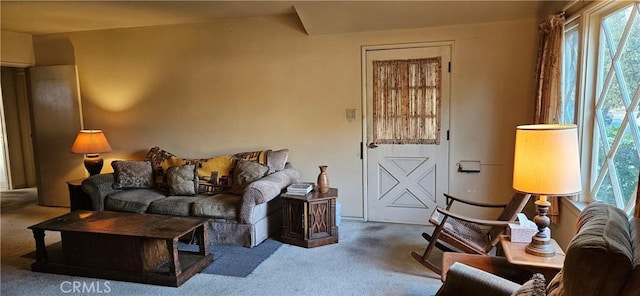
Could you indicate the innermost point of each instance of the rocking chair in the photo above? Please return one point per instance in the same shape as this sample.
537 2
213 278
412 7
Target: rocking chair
469 235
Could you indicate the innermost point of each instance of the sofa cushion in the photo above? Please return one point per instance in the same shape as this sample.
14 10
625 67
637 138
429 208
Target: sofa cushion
246 172
161 161
132 200
276 160
174 205
220 206
216 171
132 174
183 180
600 255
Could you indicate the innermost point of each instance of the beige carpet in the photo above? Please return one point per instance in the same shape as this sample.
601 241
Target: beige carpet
370 259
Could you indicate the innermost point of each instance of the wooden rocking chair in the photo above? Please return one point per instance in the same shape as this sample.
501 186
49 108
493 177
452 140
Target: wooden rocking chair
469 235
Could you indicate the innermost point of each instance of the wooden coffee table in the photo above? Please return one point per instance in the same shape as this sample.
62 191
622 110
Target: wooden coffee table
131 247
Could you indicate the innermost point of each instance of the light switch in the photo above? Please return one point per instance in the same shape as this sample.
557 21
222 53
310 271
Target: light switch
351 114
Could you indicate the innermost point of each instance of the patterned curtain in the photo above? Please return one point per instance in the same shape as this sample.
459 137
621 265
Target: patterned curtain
548 102
406 101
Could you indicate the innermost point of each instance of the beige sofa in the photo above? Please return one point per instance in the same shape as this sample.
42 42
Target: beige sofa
245 214
602 259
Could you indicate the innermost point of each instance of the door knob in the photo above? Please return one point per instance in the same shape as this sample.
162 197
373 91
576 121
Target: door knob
372 146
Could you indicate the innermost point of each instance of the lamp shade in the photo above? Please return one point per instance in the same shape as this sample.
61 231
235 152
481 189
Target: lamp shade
90 142
546 160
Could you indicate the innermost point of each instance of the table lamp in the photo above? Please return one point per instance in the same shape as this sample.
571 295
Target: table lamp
91 143
546 162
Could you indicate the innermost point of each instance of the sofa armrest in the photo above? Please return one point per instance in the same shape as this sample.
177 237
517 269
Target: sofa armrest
264 190
466 280
98 187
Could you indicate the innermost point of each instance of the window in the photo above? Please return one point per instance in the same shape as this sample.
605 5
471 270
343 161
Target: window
570 74
406 101
602 75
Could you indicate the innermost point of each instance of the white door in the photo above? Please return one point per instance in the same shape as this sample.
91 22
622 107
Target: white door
406 181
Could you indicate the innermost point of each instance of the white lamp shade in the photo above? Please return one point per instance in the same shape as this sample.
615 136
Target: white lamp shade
546 160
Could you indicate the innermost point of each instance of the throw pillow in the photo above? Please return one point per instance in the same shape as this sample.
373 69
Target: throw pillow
533 287
277 159
255 156
161 161
183 180
132 174
216 169
246 172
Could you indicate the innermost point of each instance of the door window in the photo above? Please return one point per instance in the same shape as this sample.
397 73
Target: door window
406 101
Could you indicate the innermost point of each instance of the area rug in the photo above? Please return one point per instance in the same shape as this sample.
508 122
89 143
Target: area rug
228 260
234 260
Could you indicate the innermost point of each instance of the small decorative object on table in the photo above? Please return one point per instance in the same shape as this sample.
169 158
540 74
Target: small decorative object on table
523 231
323 180
300 188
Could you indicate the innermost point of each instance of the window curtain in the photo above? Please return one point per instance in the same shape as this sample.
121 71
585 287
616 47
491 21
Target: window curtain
406 101
548 99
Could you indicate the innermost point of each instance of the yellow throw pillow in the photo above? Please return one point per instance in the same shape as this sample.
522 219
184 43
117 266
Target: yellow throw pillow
220 166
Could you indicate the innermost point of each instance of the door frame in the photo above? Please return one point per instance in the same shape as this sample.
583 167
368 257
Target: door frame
363 143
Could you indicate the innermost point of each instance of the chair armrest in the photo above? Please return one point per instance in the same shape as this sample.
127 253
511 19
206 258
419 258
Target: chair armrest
498 266
98 187
264 190
472 220
451 199
466 280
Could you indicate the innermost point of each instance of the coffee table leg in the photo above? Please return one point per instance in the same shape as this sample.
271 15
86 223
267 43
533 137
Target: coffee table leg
174 263
203 240
41 250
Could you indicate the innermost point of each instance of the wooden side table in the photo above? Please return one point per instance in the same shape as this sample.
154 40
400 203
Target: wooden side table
78 199
309 220
516 254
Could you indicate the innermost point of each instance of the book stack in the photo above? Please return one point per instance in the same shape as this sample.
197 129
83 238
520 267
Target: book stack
299 188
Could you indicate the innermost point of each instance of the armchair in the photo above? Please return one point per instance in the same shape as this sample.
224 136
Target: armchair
470 235
602 259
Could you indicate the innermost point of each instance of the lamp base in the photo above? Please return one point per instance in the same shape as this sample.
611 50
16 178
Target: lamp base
93 163
540 247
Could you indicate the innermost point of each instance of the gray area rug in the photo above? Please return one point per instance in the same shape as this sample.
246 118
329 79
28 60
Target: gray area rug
235 260
228 260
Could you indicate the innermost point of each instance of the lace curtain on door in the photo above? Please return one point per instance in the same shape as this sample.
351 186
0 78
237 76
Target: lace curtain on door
406 101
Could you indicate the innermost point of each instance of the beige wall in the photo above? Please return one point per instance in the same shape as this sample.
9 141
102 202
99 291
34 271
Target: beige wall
16 49
200 90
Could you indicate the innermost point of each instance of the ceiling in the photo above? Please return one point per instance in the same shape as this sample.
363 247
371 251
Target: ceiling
317 17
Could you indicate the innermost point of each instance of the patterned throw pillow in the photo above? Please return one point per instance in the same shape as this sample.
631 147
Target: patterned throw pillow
246 172
277 159
132 174
216 170
161 161
183 180
536 286
255 156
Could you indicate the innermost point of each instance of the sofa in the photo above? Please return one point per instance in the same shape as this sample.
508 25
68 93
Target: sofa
238 193
603 258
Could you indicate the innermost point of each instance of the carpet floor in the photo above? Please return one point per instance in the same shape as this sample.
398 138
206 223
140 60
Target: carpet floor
370 259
